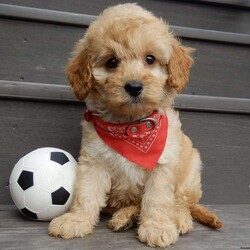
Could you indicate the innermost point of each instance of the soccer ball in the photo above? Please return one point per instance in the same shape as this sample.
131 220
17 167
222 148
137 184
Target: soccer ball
41 183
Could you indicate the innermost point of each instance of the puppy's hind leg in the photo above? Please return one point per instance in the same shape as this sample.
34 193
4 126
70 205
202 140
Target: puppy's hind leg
183 219
186 198
124 218
188 189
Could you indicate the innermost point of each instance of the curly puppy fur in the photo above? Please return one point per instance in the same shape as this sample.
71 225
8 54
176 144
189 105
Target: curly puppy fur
162 201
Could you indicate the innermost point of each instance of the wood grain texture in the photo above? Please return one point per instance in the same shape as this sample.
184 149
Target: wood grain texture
68 18
26 126
219 69
35 51
200 15
37 54
224 143
16 232
223 140
63 93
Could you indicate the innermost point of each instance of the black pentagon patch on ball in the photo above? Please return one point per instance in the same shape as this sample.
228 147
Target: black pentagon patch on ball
60 196
59 157
25 180
29 214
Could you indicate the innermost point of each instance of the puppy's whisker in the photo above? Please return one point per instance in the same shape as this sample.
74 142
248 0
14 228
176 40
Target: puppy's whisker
165 93
136 100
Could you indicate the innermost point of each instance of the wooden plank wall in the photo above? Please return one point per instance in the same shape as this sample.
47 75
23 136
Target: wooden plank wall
37 51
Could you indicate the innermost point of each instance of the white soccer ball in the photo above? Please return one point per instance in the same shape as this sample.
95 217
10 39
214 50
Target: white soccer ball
41 183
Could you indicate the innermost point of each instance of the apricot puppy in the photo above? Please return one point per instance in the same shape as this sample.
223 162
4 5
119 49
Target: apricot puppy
135 162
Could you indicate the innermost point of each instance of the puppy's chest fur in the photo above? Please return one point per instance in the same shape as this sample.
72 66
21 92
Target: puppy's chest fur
127 178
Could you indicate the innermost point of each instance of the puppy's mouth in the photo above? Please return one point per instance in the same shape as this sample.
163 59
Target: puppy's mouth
134 106
131 99
136 93
135 100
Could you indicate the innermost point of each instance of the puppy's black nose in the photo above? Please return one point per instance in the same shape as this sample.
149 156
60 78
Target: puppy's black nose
133 88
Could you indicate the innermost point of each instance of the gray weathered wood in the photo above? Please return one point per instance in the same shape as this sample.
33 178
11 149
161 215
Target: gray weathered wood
211 35
16 232
200 15
37 54
67 18
26 126
219 70
55 92
33 52
36 14
223 141
36 91
244 3
212 104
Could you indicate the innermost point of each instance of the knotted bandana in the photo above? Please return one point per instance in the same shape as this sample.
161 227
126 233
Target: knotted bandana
141 141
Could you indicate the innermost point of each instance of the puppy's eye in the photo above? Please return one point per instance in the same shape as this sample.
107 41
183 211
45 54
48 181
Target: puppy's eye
150 59
112 63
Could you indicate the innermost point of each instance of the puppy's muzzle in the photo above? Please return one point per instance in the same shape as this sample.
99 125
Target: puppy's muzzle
133 88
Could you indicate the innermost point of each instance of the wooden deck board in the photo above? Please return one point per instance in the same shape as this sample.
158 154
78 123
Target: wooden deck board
201 15
222 139
18 233
220 69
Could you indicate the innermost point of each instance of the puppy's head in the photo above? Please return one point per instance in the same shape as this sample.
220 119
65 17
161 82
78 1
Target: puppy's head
128 62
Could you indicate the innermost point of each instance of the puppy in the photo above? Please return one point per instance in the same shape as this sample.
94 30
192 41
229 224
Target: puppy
135 162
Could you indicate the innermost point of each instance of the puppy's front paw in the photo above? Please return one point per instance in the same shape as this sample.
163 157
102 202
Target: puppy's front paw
69 226
158 235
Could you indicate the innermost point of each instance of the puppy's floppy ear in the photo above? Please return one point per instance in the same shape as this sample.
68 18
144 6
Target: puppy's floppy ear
79 70
179 65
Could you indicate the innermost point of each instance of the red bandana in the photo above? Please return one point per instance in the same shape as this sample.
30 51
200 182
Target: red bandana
141 141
